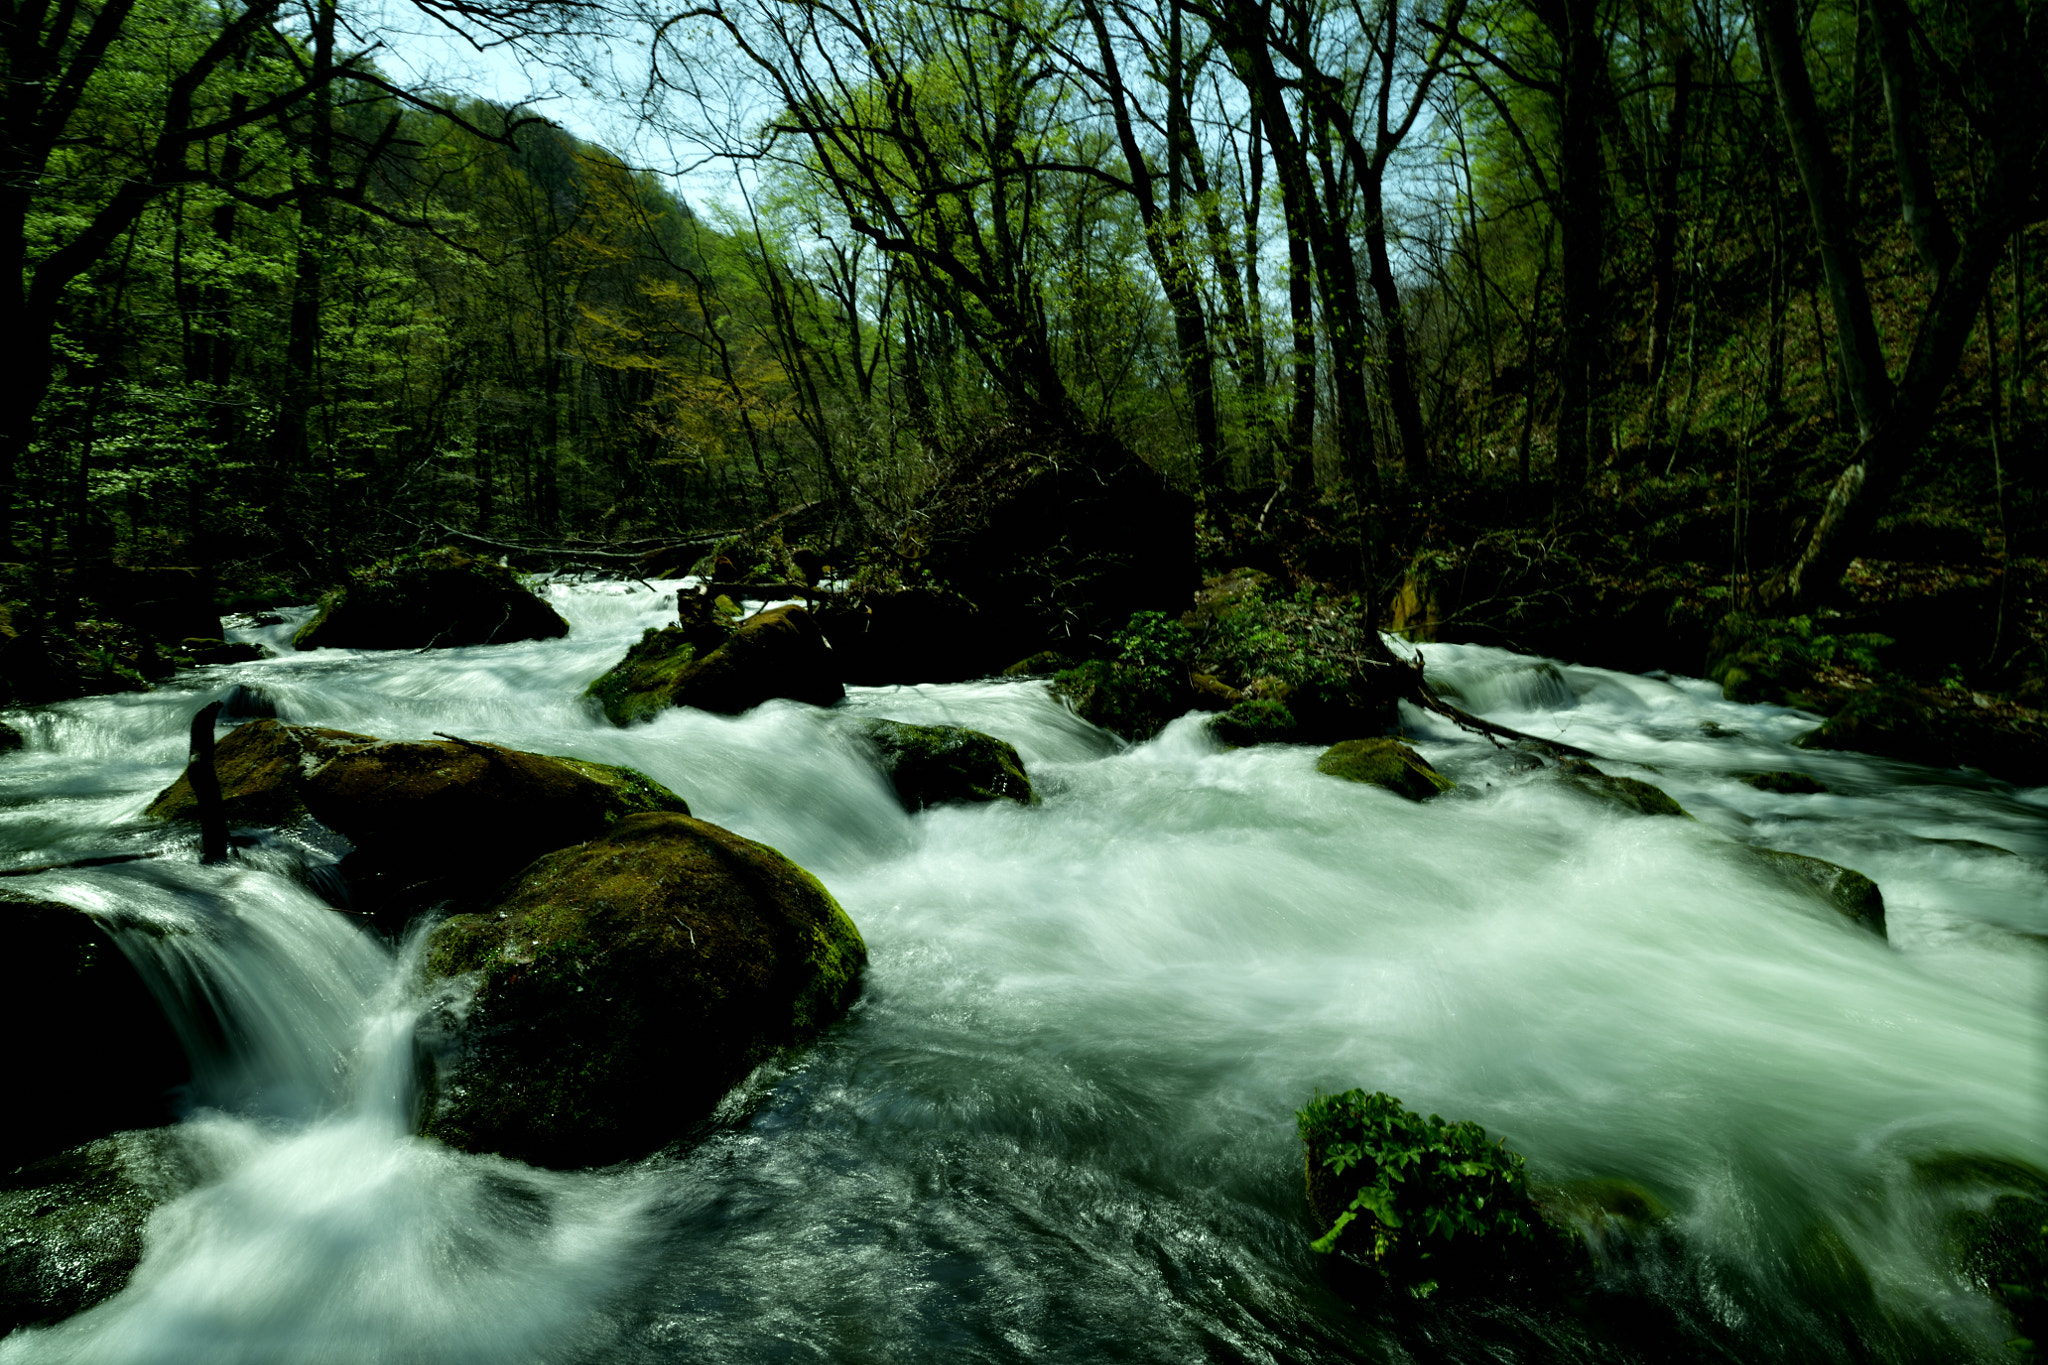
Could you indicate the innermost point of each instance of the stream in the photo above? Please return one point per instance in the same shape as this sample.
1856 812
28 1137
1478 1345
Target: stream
1059 1123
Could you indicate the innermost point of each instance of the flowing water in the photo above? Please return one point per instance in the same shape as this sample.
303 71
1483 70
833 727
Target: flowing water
1059 1123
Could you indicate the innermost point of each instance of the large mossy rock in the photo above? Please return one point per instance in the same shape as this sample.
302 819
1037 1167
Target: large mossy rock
91 1050
1057 537
623 986
930 765
427 818
906 635
775 653
1428 1204
1384 763
1623 793
1941 728
71 1224
1847 892
1997 1234
439 599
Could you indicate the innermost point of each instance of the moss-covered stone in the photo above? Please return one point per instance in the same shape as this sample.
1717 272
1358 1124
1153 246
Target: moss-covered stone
776 653
89 1050
1785 783
624 985
932 764
1998 1235
1384 763
1255 720
1045 662
262 767
438 599
1847 892
1426 1203
1119 699
71 1225
1624 793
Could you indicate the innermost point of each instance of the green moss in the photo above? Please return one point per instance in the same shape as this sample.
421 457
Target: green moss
1844 890
439 598
600 958
640 685
1384 763
932 764
633 791
1623 793
1255 720
1423 1201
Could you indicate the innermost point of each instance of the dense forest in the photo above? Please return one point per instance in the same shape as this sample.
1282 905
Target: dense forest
1509 318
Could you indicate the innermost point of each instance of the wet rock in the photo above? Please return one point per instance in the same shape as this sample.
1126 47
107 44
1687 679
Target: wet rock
1941 728
439 599
71 1224
10 738
91 1050
932 764
1998 1235
1847 892
1623 793
1255 720
263 768
623 986
776 653
443 816
1785 783
1384 763
1122 700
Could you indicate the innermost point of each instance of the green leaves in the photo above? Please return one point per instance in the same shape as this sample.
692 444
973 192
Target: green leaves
1420 1192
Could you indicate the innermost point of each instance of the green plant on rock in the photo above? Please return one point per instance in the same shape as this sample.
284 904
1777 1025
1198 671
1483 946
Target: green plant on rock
1420 1199
1154 651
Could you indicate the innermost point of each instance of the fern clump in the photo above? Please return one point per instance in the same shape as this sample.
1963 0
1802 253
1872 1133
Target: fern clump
1421 1200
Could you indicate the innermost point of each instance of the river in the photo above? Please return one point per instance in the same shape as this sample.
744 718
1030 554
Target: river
1059 1124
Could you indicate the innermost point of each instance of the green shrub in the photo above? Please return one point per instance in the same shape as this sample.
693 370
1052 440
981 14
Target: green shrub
1419 1199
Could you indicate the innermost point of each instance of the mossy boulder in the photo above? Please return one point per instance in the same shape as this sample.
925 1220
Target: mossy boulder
1997 1235
1384 763
91 1049
1120 699
1623 793
623 986
1847 892
428 819
1941 728
776 653
263 768
929 765
1428 1204
439 599
1255 720
71 1224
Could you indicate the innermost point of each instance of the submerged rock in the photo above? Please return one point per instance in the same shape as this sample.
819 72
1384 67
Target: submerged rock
623 986
71 1224
1998 1236
1785 783
439 599
776 653
1623 793
1847 892
932 764
1384 763
90 1048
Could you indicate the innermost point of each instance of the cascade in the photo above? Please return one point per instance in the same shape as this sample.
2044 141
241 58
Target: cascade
1059 1123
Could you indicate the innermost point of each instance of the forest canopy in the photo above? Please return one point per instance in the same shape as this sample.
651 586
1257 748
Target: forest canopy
1440 268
